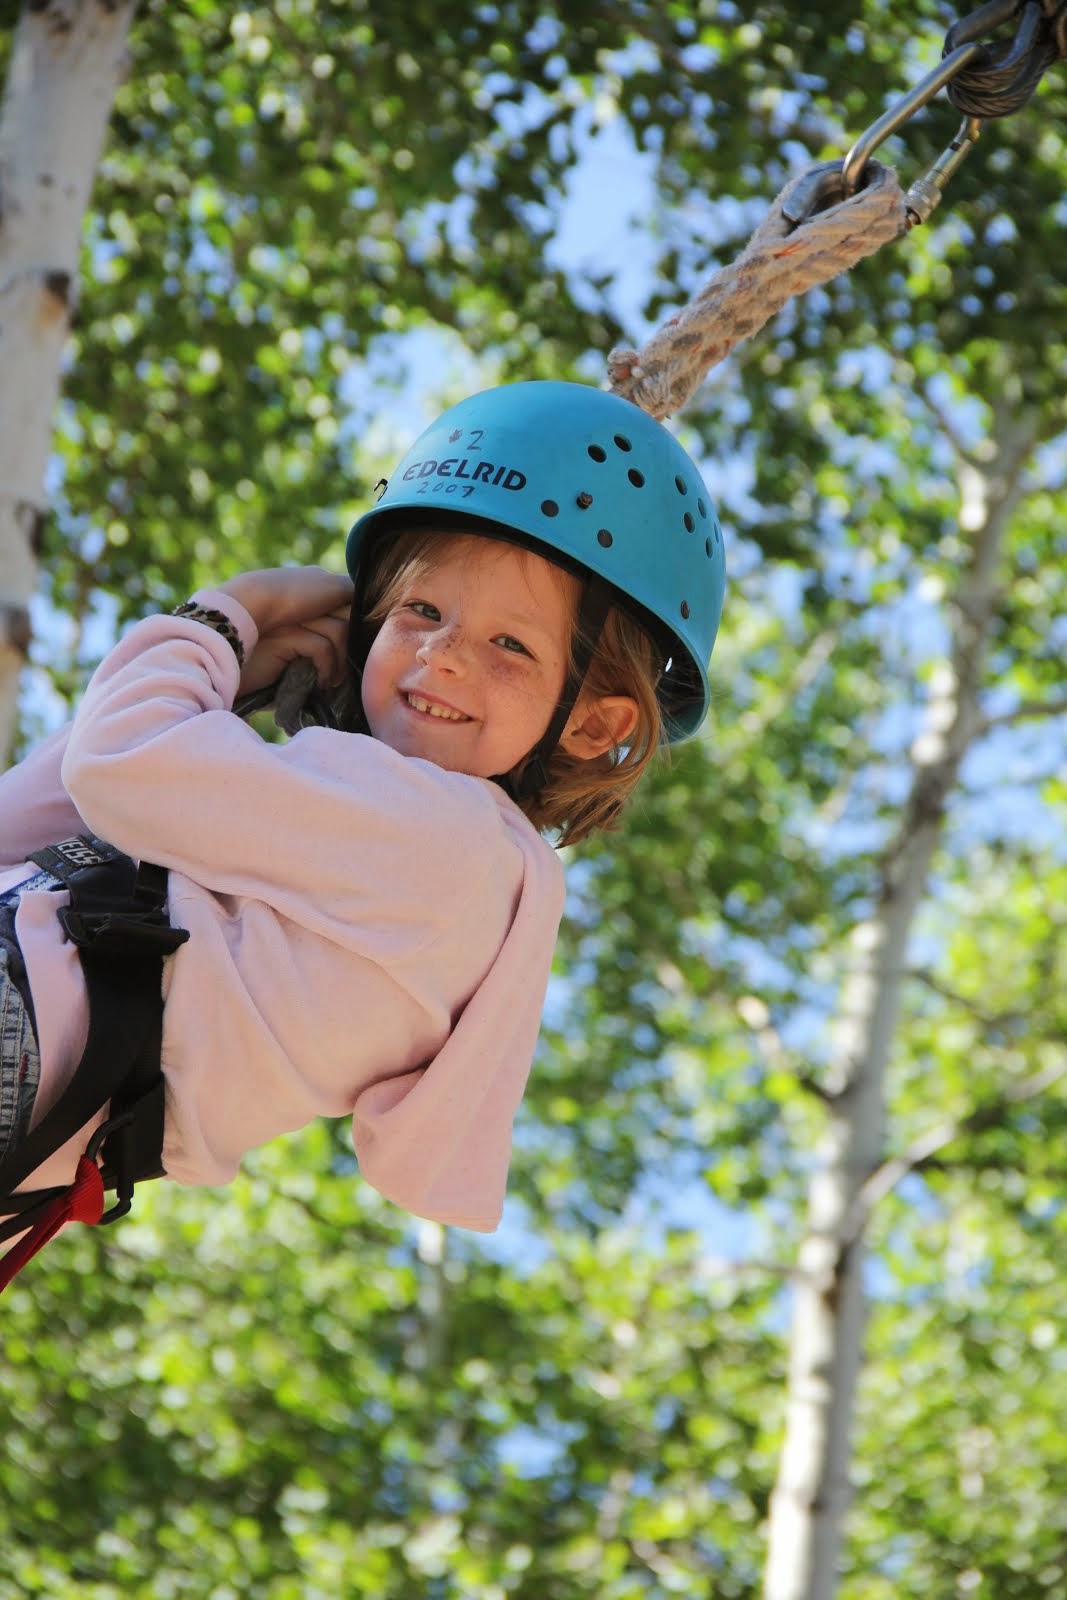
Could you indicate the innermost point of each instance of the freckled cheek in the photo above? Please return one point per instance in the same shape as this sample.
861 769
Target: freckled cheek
401 633
395 647
496 664
513 678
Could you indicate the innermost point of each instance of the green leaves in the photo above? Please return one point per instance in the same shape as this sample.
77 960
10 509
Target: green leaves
289 1390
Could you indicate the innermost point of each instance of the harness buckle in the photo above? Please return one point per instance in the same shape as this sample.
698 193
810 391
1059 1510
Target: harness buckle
125 933
124 1184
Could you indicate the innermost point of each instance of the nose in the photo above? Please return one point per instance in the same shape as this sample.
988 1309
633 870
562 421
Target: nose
444 649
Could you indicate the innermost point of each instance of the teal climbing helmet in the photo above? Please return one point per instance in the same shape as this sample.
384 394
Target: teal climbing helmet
591 482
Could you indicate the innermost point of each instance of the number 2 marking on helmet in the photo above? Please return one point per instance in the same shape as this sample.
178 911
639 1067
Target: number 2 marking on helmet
476 438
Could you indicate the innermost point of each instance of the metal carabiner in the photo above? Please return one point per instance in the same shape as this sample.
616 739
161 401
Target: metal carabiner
832 182
893 119
925 192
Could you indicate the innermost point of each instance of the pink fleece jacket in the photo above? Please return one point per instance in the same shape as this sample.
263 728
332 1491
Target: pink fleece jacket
370 936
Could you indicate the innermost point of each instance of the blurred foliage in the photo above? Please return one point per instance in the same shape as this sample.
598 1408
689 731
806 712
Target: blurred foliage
288 1391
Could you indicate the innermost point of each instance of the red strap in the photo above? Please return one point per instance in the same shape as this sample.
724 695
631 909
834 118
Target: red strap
82 1202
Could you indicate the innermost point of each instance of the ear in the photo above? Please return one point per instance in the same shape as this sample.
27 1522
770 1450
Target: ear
598 725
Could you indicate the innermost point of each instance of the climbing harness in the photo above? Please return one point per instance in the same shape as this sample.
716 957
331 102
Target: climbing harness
116 918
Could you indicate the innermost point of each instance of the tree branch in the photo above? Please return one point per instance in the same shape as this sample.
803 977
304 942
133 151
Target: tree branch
372 1233
947 423
1026 711
725 1267
972 1164
889 1175
753 725
991 1022
812 1086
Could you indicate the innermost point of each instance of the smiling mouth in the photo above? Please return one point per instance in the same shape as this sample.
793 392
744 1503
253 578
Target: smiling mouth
432 709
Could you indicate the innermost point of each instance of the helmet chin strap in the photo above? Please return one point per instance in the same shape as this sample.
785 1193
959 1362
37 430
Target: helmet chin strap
594 607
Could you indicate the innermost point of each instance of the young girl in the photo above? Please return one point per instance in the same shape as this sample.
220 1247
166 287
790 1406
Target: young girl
371 910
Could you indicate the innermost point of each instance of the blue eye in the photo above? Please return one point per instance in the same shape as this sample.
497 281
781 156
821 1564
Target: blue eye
423 608
511 644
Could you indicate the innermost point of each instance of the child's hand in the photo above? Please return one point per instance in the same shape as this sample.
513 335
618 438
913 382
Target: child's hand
299 611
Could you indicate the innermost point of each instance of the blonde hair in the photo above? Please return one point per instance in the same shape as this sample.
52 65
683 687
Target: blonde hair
580 797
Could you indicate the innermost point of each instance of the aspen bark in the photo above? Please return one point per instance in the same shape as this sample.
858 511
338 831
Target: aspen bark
67 60
812 1492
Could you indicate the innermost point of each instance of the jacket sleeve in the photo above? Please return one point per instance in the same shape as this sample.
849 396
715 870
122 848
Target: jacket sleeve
35 808
437 1141
331 829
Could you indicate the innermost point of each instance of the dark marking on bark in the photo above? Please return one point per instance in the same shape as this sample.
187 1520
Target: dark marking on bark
31 523
61 18
930 800
58 285
831 1292
15 628
57 17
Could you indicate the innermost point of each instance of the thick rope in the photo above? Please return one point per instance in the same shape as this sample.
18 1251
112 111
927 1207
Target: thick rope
783 258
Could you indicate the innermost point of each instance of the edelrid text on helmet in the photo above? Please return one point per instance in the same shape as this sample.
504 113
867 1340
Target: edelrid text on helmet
468 470
592 482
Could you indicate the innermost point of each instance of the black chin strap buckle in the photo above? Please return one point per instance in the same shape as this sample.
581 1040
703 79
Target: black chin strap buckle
533 777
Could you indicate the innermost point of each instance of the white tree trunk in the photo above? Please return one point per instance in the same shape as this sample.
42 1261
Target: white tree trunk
66 64
813 1488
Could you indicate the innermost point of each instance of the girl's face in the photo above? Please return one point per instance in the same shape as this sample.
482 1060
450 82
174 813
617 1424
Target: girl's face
470 661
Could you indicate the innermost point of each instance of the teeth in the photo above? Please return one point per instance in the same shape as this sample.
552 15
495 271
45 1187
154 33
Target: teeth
435 710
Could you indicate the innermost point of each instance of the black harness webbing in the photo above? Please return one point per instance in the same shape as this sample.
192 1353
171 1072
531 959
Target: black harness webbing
116 918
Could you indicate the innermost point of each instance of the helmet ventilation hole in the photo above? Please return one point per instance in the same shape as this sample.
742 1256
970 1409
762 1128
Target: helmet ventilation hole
679 484
623 442
604 537
550 508
636 478
689 523
585 500
598 453
707 547
685 609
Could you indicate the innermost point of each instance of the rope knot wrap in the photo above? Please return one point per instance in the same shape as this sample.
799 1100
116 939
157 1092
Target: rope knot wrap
809 235
82 1202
